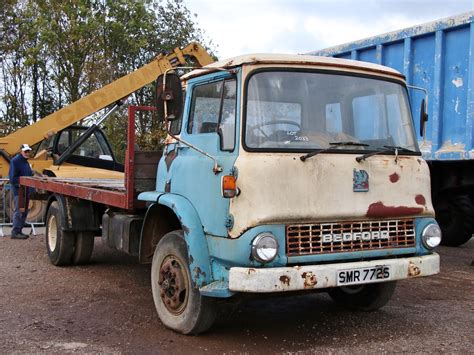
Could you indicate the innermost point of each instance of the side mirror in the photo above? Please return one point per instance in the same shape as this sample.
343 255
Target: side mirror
423 117
169 97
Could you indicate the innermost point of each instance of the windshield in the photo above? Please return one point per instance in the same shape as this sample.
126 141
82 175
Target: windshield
303 111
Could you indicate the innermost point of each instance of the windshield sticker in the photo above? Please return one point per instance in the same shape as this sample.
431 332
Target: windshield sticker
296 137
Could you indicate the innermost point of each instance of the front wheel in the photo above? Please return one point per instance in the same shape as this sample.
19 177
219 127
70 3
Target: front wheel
180 306
369 297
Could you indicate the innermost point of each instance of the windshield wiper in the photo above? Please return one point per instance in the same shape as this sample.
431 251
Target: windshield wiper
333 145
402 149
388 149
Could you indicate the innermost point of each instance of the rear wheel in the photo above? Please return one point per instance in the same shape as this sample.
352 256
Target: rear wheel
59 244
369 297
455 216
84 244
180 306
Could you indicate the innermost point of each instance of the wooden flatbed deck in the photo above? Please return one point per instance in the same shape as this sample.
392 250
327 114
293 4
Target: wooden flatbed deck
140 175
110 192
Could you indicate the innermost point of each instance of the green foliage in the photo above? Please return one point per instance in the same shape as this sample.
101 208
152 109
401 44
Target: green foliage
52 52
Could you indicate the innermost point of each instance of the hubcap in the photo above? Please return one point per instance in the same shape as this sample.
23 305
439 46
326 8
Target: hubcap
173 284
52 233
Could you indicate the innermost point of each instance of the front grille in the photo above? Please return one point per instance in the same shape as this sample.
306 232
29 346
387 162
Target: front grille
310 239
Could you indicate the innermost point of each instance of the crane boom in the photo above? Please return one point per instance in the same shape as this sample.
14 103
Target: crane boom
103 97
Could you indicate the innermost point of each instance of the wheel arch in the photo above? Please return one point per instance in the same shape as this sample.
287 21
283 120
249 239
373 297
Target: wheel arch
173 212
159 220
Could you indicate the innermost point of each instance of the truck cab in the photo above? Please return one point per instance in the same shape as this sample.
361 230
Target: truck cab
288 173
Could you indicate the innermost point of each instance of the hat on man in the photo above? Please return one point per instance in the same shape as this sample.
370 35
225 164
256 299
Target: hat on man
25 148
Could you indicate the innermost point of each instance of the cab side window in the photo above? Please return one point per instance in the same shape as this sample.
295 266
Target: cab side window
175 125
213 111
227 116
205 108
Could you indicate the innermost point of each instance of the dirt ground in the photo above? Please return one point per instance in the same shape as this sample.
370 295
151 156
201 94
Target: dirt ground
107 307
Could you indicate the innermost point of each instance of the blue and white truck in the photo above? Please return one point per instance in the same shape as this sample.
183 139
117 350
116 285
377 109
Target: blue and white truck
439 58
280 174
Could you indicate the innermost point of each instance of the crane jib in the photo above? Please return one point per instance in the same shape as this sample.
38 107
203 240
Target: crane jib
103 97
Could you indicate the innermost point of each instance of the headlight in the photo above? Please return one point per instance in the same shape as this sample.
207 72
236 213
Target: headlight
264 247
431 236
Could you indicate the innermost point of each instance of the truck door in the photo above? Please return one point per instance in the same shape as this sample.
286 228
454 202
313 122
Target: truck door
209 123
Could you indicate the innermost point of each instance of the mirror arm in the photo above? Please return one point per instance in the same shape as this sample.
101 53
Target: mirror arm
216 169
421 89
423 111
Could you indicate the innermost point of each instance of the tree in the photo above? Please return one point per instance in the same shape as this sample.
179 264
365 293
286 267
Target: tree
151 27
13 74
55 51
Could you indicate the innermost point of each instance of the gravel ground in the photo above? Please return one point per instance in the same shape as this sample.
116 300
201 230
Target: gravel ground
107 307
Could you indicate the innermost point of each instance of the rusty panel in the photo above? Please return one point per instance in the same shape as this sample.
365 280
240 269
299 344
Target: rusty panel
145 172
140 167
146 164
307 239
321 188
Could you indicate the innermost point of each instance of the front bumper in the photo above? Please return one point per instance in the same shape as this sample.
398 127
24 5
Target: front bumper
279 279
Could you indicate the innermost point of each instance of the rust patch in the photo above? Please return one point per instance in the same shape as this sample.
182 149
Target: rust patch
413 270
285 280
378 209
198 273
251 271
169 159
420 199
309 279
394 178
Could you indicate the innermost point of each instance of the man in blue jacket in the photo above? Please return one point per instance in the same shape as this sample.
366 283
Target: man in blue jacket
19 166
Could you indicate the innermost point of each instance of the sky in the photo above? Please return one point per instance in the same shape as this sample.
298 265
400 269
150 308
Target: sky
238 27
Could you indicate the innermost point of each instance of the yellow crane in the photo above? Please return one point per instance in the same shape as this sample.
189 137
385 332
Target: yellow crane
48 127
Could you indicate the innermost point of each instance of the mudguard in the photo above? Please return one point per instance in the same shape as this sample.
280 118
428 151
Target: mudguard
198 252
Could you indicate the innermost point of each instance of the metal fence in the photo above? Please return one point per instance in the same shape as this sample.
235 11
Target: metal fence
6 212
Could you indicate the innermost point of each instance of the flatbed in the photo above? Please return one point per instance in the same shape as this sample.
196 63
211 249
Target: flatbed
140 175
110 192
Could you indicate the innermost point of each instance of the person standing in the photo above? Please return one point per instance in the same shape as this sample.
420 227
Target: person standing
19 166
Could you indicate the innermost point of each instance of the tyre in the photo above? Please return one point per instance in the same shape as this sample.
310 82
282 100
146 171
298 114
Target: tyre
455 216
36 209
179 305
59 244
369 297
83 246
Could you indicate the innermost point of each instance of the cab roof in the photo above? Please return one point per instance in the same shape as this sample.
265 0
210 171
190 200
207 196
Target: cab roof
296 59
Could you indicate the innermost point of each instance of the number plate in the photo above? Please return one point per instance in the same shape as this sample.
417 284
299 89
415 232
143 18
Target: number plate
363 275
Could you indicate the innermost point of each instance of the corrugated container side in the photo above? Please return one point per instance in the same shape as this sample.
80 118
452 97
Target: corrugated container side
438 56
